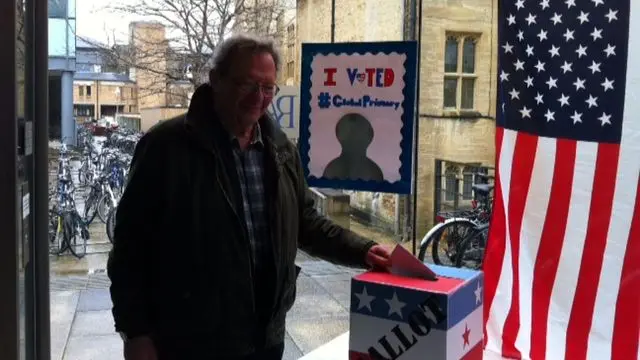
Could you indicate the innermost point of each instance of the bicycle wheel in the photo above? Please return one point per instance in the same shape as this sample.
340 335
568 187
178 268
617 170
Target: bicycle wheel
90 208
78 236
56 233
445 245
111 224
104 206
471 250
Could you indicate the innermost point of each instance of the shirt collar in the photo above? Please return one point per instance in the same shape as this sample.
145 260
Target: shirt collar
257 136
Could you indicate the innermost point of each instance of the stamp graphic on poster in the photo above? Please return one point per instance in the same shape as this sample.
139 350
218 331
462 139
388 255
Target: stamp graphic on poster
357 108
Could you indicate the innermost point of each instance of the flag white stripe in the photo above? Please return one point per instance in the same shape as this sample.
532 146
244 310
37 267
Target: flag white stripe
564 287
502 299
599 346
534 216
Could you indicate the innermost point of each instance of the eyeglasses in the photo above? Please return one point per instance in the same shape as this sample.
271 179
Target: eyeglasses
251 87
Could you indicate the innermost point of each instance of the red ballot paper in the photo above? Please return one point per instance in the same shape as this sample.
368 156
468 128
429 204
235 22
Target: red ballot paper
403 263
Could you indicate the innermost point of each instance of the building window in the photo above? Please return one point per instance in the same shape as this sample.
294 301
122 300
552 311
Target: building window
459 72
451 183
88 90
83 110
81 90
467 182
290 69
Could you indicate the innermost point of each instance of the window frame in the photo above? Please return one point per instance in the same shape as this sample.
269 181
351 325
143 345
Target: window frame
459 75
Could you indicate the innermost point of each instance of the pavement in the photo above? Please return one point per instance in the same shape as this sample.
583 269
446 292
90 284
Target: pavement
82 325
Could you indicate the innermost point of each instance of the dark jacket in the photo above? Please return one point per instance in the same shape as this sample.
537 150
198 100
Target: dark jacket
180 265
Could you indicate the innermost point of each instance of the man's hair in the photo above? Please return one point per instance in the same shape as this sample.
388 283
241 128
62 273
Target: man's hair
227 52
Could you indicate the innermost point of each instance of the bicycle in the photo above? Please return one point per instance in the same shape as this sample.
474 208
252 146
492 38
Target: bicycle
67 230
457 228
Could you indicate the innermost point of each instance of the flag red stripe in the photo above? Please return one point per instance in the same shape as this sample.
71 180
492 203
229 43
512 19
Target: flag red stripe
626 329
548 257
604 183
525 153
494 253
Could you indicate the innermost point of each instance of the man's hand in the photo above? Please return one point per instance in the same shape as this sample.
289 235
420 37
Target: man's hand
379 258
140 348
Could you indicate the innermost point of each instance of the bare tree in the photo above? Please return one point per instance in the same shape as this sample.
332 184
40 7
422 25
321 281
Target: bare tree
193 30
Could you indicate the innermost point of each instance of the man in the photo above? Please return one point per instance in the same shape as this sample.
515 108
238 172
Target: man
208 227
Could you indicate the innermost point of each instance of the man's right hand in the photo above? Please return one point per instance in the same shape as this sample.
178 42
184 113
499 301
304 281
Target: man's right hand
140 348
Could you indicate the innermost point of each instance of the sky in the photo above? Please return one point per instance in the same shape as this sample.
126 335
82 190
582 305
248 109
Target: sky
95 21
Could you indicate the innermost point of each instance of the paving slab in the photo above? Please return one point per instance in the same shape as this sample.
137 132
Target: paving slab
313 301
93 323
94 300
291 350
339 286
102 347
310 334
63 306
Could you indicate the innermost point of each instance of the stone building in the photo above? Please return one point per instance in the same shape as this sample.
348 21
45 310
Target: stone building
159 96
457 90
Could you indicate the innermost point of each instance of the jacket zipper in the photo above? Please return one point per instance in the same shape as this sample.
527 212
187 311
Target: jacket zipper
226 196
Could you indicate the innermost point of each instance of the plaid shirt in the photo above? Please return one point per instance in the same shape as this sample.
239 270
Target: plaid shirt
250 166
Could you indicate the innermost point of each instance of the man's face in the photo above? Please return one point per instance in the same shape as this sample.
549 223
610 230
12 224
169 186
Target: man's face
249 87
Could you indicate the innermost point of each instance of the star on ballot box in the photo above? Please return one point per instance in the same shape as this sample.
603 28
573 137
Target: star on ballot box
416 312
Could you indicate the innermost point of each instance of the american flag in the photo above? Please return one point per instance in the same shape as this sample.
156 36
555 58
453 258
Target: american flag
562 267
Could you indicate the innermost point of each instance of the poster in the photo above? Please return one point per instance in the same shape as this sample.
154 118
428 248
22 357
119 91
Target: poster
357 115
285 111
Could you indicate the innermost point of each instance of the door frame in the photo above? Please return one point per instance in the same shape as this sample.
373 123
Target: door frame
36 267
38 102
9 274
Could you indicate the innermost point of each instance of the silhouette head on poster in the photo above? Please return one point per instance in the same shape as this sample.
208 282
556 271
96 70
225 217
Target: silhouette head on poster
355 134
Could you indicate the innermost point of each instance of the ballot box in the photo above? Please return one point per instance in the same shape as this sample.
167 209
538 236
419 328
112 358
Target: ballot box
404 317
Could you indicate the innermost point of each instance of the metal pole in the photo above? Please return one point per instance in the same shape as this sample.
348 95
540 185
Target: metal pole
416 131
333 21
40 93
29 111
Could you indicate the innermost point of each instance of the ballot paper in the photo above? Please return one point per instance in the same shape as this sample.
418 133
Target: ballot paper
403 263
